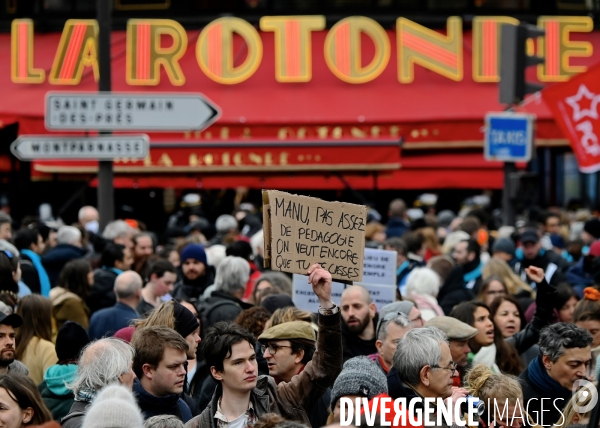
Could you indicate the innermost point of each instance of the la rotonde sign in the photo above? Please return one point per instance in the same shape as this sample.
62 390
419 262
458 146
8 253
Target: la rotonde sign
294 51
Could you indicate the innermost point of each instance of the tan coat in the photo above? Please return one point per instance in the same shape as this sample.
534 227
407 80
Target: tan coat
68 306
39 355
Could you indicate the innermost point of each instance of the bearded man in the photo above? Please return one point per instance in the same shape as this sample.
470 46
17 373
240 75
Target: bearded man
8 364
360 318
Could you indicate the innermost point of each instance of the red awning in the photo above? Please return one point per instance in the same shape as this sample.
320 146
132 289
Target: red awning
366 121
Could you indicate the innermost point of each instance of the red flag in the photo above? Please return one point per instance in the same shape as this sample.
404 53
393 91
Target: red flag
575 106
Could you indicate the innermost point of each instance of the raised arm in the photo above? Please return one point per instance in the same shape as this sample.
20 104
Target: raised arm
544 301
326 364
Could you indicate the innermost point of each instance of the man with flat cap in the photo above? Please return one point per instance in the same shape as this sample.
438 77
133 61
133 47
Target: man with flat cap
287 348
8 364
458 334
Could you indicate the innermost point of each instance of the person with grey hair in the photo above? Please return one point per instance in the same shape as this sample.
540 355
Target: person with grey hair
424 364
224 303
163 421
119 232
226 226
68 248
390 330
128 289
423 286
103 362
5 226
89 217
565 354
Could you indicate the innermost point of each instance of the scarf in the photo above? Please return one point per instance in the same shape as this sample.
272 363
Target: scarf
475 273
86 395
542 381
36 260
487 357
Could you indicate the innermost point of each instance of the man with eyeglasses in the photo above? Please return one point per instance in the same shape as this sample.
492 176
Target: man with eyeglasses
424 363
458 334
243 396
390 330
287 348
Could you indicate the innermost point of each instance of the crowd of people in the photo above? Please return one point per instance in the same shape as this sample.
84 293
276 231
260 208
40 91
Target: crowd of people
126 327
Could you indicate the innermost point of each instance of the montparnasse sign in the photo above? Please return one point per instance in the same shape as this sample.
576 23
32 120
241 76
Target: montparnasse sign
415 44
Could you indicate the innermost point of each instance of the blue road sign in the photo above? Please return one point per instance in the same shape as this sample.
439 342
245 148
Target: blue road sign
508 137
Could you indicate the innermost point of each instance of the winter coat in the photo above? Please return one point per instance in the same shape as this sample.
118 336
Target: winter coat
102 293
54 392
56 259
190 291
107 322
354 346
68 306
155 406
39 355
292 400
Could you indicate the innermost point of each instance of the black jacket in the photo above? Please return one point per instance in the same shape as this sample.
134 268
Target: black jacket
191 291
533 398
154 406
30 274
354 346
550 262
228 311
102 293
75 417
58 257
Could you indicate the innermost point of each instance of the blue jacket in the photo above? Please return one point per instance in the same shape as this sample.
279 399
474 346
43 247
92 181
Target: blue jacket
155 406
395 227
58 257
577 276
107 321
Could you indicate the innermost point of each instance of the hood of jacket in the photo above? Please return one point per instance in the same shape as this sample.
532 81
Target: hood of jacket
58 295
56 376
61 254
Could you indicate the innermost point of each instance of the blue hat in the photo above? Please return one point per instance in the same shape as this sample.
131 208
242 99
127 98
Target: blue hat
194 251
558 241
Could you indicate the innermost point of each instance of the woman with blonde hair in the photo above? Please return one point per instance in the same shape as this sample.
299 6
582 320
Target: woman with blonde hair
578 410
504 390
514 284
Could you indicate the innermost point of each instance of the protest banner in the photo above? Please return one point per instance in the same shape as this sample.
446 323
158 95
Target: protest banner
380 267
304 297
301 231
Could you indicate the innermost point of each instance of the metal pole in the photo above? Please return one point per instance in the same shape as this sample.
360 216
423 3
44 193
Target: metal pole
106 196
507 207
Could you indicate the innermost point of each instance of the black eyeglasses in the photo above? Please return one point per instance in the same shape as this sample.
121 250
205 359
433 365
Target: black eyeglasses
452 367
272 348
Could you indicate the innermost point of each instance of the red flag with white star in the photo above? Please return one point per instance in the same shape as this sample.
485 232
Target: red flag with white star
574 105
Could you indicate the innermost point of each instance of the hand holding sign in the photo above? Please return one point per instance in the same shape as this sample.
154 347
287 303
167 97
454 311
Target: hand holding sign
321 281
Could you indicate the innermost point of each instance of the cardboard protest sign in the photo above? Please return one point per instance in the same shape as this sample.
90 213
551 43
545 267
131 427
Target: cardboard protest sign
304 297
301 231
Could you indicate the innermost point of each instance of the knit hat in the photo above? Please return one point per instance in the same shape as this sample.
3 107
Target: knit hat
185 321
114 407
71 339
558 241
276 301
592 227
504 245
445 217
125 334
194 251
360 376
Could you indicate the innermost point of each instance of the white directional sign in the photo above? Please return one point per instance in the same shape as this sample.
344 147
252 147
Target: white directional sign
102 147
128 111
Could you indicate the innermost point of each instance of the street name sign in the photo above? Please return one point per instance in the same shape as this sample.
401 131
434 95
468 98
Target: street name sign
102 147
508 137
103 111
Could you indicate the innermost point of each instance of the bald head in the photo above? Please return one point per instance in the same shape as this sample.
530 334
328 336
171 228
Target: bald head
357 291
127 285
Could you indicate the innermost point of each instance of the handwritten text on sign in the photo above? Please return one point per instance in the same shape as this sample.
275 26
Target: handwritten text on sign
307 230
